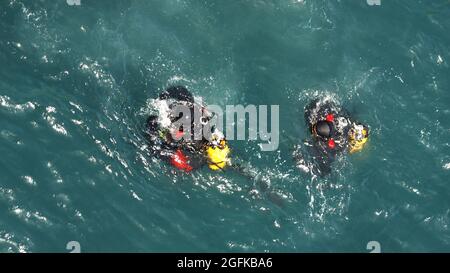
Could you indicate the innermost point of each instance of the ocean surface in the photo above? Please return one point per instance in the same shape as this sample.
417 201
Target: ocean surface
75 86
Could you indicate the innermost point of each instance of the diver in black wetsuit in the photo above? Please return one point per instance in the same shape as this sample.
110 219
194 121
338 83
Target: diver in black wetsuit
333 132
186 154
189 155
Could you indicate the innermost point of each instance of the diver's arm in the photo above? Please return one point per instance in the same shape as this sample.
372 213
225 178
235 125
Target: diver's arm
239 166
259 183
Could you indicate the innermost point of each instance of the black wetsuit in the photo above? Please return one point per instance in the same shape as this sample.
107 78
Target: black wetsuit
160 141
322 154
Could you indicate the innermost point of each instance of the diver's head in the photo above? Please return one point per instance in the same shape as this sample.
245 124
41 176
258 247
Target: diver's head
217 138
323 128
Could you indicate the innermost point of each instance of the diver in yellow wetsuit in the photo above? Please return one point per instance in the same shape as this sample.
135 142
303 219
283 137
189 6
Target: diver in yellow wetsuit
357 137
217 151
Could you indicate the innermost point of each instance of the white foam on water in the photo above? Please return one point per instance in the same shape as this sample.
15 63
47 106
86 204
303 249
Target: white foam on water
176 79
92 159
7 194
79 215
51 120
29 216
95 69
239 246
135 196
54 172
77 122
276 224
382 213
164 111
400 78
29 180
11 240
62 200
6 102
408 187
78 107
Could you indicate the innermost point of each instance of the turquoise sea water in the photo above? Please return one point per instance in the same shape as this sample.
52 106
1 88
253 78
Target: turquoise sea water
75 82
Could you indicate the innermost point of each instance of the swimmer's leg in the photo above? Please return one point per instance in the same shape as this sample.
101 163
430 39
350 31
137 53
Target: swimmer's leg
259 183
323 162
324 167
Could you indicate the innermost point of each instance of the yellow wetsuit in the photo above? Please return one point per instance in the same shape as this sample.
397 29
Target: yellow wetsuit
218 156
357 144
